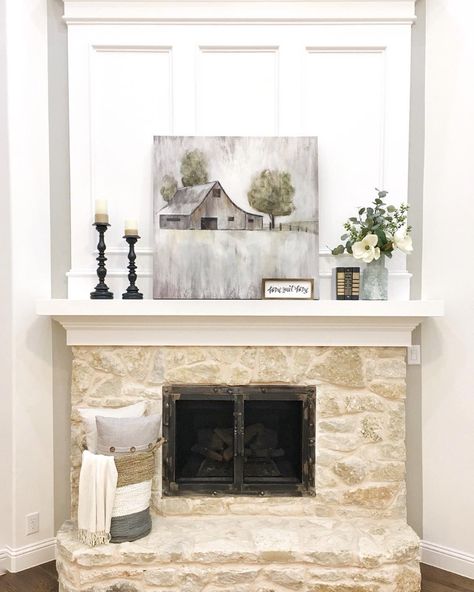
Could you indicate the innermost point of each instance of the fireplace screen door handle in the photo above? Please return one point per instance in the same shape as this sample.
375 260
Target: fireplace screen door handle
239 434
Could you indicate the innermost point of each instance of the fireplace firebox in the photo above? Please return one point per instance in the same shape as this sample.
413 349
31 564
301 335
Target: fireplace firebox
256 440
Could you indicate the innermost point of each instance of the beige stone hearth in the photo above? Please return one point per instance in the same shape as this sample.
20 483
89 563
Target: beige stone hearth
352 536
247 553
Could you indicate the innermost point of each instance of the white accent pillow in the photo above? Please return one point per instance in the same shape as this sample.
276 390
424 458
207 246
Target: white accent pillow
121 435
88 415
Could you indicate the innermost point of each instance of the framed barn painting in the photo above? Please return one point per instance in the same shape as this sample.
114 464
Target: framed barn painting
230 211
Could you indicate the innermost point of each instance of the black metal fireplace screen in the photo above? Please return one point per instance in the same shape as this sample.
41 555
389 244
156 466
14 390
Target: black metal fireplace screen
256 440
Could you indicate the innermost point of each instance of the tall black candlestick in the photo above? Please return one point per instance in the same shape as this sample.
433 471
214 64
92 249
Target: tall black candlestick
101 291
132 292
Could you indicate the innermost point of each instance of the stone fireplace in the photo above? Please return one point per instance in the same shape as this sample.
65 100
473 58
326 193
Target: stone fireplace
337 524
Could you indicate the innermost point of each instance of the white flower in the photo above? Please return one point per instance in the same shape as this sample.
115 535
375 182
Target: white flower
366 249
402 241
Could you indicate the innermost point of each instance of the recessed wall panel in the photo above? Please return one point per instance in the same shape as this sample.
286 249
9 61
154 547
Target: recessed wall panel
343 104
237 91
130 103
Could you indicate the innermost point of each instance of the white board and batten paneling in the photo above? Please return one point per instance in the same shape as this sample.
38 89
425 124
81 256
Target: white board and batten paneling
337 70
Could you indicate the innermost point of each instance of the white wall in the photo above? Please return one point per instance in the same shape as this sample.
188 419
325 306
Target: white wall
150 70
25 358
448 343
415 199
5 315
60 250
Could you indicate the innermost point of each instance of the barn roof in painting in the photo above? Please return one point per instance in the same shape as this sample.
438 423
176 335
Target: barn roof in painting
187 199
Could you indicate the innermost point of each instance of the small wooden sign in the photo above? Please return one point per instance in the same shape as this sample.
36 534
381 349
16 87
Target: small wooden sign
287 289
347 281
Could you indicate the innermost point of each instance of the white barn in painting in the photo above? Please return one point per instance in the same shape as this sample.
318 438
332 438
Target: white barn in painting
206 207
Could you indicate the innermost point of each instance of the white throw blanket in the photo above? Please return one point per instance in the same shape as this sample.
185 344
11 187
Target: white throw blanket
97 484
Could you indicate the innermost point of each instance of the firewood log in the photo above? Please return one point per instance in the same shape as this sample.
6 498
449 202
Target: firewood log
208 439
212 454
226 435
228 454
265 439
252 430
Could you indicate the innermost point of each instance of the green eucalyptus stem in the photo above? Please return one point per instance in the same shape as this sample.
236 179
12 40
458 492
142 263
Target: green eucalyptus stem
378 219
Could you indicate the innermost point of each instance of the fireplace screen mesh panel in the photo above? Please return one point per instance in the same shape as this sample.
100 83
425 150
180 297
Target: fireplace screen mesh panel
273 441
255 440
204 440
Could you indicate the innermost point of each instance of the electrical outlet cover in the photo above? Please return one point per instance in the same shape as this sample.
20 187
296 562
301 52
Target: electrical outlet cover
32 523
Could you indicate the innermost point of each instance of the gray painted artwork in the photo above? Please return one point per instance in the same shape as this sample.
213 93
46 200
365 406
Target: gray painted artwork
230 211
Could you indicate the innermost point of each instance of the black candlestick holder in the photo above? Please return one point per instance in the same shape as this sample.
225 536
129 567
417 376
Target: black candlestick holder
132 292
101 291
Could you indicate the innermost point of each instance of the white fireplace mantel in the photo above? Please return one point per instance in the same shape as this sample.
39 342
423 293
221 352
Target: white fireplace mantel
239 322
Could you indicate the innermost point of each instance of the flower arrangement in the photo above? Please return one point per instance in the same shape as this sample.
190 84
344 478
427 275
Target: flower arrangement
378 230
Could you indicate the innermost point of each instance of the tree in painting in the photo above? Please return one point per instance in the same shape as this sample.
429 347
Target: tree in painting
194 168
272 192
168 187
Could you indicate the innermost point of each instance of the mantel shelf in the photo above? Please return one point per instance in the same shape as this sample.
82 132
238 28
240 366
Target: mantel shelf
239 322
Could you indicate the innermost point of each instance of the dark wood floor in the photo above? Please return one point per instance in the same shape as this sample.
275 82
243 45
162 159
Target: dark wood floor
437 580
38 579
44 579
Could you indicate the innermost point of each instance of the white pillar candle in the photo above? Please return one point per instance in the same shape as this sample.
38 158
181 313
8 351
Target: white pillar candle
101 211
131 227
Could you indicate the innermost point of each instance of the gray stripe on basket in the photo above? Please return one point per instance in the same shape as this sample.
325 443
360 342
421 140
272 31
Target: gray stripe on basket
130 527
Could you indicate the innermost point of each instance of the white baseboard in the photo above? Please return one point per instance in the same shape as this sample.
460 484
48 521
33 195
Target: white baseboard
448 559
21 558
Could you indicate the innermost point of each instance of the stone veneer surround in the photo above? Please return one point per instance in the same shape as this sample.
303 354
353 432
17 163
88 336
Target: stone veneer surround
360 459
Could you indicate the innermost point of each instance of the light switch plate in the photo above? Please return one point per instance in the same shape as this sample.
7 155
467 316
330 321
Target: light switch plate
414 355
